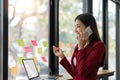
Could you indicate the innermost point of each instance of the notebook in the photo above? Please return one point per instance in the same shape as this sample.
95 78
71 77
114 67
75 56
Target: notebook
32 72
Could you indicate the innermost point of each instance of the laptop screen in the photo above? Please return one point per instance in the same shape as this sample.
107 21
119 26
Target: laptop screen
30 68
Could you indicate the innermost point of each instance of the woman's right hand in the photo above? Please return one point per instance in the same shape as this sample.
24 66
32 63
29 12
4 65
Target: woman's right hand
58 52
82 38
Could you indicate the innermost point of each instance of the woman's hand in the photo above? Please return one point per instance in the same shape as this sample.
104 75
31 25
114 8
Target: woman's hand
58 52
82 39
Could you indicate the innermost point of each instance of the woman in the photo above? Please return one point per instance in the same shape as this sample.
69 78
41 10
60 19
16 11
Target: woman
89 52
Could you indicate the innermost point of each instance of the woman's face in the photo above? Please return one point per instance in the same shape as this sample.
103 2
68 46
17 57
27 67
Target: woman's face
79 26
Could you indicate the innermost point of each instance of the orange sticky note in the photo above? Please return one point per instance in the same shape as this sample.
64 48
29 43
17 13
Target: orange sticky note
35 59
39 50
68 45
60 44
14 70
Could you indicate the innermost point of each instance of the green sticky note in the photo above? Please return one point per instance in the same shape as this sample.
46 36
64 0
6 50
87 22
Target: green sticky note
45 44
20 60
20 42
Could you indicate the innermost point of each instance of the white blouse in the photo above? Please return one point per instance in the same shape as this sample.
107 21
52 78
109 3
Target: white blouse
74 61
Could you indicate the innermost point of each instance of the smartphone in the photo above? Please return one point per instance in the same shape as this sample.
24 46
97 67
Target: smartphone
89 30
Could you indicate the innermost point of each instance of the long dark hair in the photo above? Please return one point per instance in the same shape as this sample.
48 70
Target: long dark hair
88 20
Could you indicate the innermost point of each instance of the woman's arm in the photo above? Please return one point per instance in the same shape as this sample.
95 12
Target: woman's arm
65 63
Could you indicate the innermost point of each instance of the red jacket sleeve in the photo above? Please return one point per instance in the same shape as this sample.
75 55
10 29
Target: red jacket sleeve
87 64
65 63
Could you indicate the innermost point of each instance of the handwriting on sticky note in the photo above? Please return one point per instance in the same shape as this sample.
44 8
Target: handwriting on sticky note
39 50
20 42
14 70
27 49
45 44
34 42
44 58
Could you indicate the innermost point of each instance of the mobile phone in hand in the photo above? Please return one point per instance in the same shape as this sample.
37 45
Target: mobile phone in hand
89 30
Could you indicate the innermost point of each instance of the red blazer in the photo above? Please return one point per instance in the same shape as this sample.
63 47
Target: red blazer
87 61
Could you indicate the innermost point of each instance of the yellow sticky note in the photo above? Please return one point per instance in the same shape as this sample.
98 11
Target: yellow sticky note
38 68
20 60
35 59
68 53
14 70
68 45
60 44
45 44
20 42
39 50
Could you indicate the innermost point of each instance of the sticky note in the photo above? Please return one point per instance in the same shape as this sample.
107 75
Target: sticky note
68 45
35 59
60 44
45 44
44 58
38 68
34 42
20 42
68 53
27 49
39 50
14 70
20 60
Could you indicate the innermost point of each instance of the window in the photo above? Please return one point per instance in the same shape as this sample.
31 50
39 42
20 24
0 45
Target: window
97 13
67 39
111 37
28 36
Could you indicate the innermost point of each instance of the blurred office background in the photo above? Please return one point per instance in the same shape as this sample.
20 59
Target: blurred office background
27 26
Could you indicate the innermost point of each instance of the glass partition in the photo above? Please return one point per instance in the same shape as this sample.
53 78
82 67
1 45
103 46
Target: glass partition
97 13
112 38
28 36
67 13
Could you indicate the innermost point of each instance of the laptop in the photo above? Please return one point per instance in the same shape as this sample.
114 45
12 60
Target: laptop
32 72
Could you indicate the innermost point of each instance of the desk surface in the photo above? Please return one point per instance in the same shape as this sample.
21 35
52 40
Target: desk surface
105 73
101 74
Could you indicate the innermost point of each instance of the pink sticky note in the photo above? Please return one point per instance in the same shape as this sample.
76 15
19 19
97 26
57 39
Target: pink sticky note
27 49
44 59
34 42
